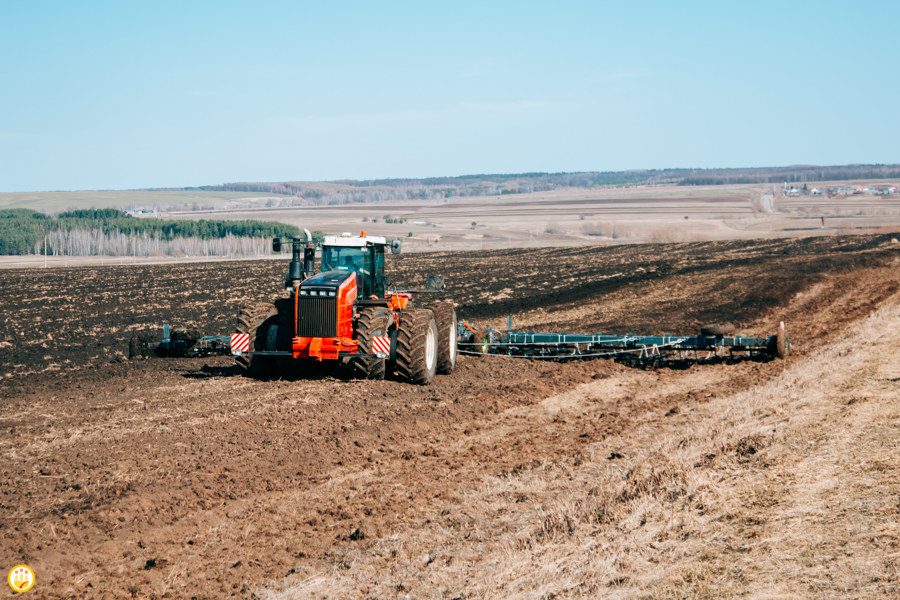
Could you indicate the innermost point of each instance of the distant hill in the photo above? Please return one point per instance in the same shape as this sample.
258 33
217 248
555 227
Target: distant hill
379 190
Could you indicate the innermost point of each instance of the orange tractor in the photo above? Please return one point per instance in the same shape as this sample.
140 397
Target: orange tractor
346 313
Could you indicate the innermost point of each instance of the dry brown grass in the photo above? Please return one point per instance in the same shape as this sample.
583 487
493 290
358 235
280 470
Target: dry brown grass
788 489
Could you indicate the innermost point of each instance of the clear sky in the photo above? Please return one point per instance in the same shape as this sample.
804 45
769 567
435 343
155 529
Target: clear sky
114 95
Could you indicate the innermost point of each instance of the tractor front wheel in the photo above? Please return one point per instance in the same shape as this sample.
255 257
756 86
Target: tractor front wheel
417 346
257 320
372 322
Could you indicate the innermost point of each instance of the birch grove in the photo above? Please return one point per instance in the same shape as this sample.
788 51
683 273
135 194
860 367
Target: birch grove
94 242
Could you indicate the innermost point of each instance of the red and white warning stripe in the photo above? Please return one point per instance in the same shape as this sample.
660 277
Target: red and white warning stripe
381 345
240 343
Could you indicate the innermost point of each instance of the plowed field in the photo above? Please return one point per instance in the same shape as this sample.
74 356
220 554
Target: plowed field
181 478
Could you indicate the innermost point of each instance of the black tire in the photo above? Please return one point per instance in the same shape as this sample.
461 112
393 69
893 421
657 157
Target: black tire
256 320
445 316
141 346
372 322
717 329
285 366
782 344
134 348
417 343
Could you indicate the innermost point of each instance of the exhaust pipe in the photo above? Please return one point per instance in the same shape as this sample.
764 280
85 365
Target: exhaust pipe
309 255
300 267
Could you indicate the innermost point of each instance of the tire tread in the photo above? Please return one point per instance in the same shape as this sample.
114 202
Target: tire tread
410 354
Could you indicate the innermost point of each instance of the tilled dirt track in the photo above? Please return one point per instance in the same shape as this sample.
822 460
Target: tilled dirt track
171 478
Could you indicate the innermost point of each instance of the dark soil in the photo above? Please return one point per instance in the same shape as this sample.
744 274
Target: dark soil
169 477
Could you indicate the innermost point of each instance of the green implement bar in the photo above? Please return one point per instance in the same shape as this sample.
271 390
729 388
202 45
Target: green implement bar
652 348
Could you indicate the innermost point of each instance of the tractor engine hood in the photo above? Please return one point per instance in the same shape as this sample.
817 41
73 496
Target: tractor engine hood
324 284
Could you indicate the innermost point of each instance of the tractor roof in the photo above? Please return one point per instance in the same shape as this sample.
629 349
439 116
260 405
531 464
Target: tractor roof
354 241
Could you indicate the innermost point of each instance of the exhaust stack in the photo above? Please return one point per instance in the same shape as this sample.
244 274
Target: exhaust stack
301 265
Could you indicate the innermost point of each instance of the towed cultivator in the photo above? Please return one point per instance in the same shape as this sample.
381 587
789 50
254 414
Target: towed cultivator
714 344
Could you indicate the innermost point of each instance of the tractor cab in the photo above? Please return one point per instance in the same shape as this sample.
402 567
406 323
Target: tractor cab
362 255
345 253
343 312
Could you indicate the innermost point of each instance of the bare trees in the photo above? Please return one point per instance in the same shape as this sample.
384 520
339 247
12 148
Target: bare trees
108 232
95 242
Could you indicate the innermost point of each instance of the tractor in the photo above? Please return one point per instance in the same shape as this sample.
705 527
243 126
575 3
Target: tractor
348 313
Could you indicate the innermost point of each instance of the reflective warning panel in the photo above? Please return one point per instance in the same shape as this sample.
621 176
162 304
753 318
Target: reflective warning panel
240 343
381 344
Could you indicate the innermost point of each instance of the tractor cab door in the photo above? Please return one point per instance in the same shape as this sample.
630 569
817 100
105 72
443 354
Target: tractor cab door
378 282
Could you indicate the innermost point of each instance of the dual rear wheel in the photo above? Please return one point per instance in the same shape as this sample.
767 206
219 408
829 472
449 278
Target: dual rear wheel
417 346
425 342
445 317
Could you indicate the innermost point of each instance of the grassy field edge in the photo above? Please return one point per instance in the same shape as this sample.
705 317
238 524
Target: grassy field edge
785 489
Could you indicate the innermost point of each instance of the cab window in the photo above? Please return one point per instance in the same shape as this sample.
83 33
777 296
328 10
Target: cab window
344 259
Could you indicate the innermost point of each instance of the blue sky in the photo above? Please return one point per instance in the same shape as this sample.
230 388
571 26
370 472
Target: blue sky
116 95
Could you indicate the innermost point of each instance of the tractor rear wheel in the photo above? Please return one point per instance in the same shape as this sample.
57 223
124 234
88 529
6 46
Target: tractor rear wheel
256 320
417 346
372 322
445 316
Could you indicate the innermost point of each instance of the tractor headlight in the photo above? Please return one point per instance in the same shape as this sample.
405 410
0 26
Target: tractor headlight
304 292
331 294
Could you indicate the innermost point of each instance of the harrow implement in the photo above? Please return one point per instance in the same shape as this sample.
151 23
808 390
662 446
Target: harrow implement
646 351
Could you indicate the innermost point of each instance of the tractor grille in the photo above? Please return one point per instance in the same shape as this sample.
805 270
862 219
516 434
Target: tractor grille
316 317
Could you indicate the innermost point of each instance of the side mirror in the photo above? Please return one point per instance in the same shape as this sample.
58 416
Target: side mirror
276 245
395 247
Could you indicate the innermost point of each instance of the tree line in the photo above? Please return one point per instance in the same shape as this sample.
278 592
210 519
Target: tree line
384 190
114 233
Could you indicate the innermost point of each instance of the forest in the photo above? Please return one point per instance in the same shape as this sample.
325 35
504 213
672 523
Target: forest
112 232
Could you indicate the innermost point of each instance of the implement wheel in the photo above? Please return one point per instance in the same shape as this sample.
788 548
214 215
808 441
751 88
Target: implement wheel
782 344
372 322
257 320
142 346
445 316
417 346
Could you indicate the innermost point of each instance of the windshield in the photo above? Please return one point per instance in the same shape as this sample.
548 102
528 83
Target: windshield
338 258
367 262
